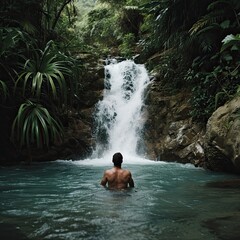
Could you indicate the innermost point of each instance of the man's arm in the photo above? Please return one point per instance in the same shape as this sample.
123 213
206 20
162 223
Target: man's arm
104 180
131 182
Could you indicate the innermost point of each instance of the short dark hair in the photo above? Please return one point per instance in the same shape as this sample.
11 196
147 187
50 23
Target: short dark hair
117 159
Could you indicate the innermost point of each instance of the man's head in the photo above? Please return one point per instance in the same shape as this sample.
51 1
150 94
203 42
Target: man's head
117 159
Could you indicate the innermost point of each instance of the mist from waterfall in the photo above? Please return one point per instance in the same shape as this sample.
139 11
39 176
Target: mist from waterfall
119 115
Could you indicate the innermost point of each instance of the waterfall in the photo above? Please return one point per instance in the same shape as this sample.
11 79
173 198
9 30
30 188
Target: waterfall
119 115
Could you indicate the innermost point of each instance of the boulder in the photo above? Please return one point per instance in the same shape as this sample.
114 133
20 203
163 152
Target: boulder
222 139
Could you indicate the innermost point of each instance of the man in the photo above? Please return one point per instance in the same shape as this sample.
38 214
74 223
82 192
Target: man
117 178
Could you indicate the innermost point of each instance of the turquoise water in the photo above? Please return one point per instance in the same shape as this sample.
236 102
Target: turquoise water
63 200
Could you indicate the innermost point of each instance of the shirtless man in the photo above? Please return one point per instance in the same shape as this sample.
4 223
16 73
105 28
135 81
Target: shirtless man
117 178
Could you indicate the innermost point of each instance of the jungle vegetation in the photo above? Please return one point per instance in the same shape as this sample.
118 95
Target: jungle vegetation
192 44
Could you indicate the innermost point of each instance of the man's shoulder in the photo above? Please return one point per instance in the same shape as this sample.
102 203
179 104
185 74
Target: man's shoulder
109 171
127 172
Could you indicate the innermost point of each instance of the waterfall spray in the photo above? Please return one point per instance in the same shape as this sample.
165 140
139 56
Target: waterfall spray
119 116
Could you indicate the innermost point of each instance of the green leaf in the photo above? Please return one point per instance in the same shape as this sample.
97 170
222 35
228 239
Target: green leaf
225 24
230 41
227 57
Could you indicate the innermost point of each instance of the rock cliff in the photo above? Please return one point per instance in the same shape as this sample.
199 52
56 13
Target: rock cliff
170 134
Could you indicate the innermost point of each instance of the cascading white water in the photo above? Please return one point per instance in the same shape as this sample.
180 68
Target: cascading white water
119 116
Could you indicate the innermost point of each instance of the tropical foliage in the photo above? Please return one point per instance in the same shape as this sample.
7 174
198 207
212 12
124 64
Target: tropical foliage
111 24
37 74
214 74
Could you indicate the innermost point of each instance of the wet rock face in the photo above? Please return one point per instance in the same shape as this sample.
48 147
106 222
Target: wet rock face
170 134
222 141
78 137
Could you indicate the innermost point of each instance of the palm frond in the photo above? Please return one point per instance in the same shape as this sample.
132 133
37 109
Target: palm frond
34 126
3 90
44 73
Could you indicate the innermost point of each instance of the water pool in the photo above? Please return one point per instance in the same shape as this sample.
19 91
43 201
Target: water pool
63 200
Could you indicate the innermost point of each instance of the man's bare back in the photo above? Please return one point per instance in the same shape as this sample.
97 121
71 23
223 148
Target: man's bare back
117 178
